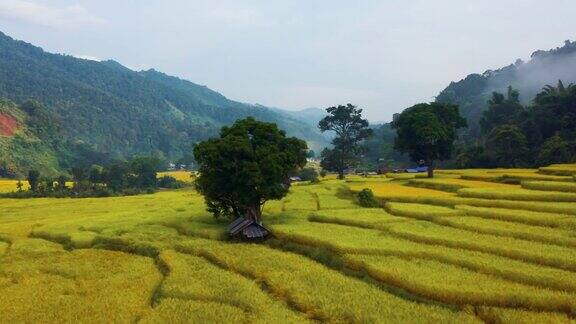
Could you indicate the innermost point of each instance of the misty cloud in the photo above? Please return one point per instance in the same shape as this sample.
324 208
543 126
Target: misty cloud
383 56
50 16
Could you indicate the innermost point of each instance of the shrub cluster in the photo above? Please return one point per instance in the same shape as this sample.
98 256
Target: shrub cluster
366 199
124 178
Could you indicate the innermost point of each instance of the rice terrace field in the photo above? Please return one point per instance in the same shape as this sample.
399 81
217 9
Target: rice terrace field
469 246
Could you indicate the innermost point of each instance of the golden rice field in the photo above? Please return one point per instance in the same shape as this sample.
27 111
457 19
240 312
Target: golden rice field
180 175
469 246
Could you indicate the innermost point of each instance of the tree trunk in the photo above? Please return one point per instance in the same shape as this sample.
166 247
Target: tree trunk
341 174
254 213
430 169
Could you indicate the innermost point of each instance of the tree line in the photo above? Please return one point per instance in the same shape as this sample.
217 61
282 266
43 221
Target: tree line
135 176
514 135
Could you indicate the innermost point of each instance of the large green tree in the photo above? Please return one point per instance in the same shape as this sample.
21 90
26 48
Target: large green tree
246 166
350 129
555 111
427 132
508 145
502 110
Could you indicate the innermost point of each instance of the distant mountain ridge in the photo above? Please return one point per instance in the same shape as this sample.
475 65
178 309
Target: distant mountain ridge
544 67
121 112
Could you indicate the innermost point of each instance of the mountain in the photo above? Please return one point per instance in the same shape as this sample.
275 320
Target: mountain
112 110
311 116
544 67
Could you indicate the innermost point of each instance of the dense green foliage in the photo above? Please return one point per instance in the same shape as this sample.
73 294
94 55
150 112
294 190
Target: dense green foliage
427 132
351 130
248 165
106 108
308 174
515 135
379 151
119 178
366 199
545 67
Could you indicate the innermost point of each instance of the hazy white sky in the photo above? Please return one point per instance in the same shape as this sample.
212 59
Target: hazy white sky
381 55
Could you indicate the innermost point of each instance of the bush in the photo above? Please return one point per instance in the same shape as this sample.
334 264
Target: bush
323 173
170 182
309 174
366 199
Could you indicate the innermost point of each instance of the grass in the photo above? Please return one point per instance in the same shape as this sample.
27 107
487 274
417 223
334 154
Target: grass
447 249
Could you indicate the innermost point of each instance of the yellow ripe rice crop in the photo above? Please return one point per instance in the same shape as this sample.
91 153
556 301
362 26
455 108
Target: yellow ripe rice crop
494 252
44 283
185 176
517 194
332 196
368 217
195 279
453 185
521 231
419 211
9 185
454 285
522 216
550 186
479 171
543 254
514 178
319 292
172 310
300 199
357 241
392 190
510 315
401 176
568 208
559 169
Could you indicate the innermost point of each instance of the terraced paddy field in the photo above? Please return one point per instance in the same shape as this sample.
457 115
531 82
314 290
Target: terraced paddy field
465 247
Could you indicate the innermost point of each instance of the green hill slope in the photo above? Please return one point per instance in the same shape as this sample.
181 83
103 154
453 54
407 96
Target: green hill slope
119 112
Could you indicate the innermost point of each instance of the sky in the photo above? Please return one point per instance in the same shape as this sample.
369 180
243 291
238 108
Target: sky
383 56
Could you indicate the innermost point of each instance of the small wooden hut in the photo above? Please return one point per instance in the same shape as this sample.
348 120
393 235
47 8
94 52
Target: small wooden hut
246 229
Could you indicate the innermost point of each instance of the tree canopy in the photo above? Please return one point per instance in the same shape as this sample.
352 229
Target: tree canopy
249 164
427 132
501 110
350 129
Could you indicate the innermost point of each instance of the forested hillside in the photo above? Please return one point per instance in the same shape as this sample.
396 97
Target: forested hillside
521 115
528 78
109 109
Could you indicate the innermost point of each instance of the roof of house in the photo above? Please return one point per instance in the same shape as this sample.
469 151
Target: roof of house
248 228
238 225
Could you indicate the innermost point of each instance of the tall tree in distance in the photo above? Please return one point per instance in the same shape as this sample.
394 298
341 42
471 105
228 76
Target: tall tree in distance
508 145
350 129
427 132
502 110
249 164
